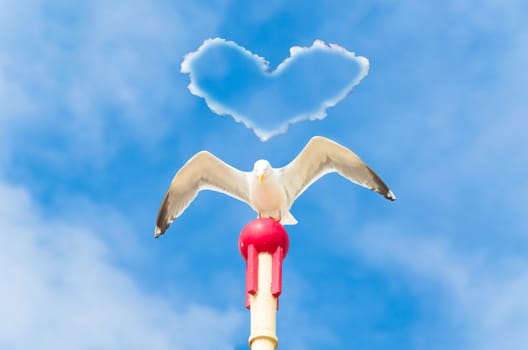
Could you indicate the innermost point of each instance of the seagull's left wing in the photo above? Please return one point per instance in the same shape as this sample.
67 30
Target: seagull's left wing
202 172
322 156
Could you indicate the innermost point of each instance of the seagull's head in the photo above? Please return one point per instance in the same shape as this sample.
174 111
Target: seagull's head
261 169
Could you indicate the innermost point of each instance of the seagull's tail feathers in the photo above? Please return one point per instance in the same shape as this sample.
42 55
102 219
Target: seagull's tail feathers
287 218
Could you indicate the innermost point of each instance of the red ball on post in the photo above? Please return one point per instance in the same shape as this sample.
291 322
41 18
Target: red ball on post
265 235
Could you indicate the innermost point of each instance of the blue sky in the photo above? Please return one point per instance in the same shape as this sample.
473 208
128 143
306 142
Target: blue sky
96 117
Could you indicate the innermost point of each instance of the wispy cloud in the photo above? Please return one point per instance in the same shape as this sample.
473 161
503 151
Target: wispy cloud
481 292
61 290
70 78
234 81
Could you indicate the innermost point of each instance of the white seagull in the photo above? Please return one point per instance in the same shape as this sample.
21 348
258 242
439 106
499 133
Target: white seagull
269 191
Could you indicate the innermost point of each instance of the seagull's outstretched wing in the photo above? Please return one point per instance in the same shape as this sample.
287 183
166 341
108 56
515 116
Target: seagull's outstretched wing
322 156
202 172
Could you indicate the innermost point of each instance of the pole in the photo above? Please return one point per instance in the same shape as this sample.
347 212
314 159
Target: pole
264 244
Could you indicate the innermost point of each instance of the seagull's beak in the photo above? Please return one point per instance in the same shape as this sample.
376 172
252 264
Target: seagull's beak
260 176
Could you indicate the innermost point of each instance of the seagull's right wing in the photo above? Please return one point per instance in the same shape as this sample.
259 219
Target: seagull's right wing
322 156
202 172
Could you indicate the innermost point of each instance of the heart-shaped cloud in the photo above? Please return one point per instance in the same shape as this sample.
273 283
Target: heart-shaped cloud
233 81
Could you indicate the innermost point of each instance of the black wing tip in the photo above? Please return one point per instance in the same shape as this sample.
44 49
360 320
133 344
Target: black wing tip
160 230
162 221
390 196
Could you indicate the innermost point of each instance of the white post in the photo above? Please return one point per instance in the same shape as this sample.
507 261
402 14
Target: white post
263 318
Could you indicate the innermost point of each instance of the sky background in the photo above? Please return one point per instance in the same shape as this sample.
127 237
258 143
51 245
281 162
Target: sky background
96 118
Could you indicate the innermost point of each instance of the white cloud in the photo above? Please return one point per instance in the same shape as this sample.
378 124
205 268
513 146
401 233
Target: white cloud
60 290
234 81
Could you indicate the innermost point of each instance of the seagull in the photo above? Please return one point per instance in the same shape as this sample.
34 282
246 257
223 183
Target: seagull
269 191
